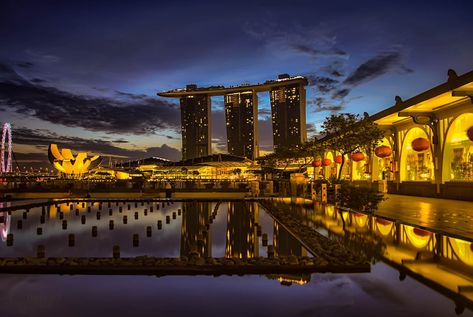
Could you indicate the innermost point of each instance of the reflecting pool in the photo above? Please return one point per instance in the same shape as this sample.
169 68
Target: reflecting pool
164 229
413 272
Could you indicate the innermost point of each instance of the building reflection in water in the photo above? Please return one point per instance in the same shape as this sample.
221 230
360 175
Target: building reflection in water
195 228
441 262
285 244
5 220
241 238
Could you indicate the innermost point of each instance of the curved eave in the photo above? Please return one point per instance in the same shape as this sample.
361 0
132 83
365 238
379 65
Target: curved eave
430 100
229 90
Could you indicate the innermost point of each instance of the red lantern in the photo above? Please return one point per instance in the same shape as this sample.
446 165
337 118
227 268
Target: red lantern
469 132
358 156
326 162
421 232
338 159
383 222
317 163
383 151
420 144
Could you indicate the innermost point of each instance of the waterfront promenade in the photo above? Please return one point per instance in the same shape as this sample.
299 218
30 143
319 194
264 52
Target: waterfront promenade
450 216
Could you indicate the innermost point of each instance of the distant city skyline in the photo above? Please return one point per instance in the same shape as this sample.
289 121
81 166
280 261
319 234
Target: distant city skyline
86 74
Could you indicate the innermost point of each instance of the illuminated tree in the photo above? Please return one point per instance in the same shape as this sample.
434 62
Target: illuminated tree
348 133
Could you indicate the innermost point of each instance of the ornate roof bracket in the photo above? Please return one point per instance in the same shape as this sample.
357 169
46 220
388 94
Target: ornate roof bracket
424 118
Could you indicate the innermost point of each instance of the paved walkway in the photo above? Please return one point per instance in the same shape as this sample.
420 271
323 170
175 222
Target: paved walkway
449 216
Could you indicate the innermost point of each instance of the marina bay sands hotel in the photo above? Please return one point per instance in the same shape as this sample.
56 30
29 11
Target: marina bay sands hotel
288 111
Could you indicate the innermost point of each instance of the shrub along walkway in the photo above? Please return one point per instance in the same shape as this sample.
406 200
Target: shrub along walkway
324 249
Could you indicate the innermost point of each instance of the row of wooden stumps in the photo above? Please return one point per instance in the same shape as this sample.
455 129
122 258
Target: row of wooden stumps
71 237
61 214
100 204
110 210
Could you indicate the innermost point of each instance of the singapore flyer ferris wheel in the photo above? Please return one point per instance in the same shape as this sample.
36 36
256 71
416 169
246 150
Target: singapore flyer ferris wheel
6 165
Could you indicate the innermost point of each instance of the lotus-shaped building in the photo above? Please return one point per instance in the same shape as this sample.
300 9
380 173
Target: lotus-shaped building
65 162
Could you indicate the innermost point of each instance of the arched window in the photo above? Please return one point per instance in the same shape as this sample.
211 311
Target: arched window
458 150
463 250
416 164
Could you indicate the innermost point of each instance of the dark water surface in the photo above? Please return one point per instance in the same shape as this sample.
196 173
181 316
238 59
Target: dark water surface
404 280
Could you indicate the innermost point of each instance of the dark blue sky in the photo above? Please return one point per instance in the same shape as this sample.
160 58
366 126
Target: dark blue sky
86 73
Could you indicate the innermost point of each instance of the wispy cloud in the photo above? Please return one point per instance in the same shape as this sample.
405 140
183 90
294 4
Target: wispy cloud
315 41
40 139
136 114
376 67
332 91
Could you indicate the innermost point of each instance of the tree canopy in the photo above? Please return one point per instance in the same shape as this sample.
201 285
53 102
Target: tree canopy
348 133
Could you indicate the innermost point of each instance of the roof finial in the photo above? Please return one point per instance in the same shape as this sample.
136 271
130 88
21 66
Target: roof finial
452 75
398 100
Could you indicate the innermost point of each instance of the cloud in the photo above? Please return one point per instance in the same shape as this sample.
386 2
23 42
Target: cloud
25 64
9 75
329 94
375 67
41 138
332 91
120 141
42 57
265 131
311 130
219 132
136 114
315 41
323 84
38 81
218 103
334 69
164 151
264 114
321 104
340 93
314 52
31 157
130 95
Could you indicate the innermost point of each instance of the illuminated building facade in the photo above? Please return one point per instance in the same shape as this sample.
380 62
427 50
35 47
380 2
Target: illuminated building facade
288 102
285 244
427 149
241 116
195 126
288 114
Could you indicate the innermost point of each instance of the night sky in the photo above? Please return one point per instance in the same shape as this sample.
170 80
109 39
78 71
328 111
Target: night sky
85 74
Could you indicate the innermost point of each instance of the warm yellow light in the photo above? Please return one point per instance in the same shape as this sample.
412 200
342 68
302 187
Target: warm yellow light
65 162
